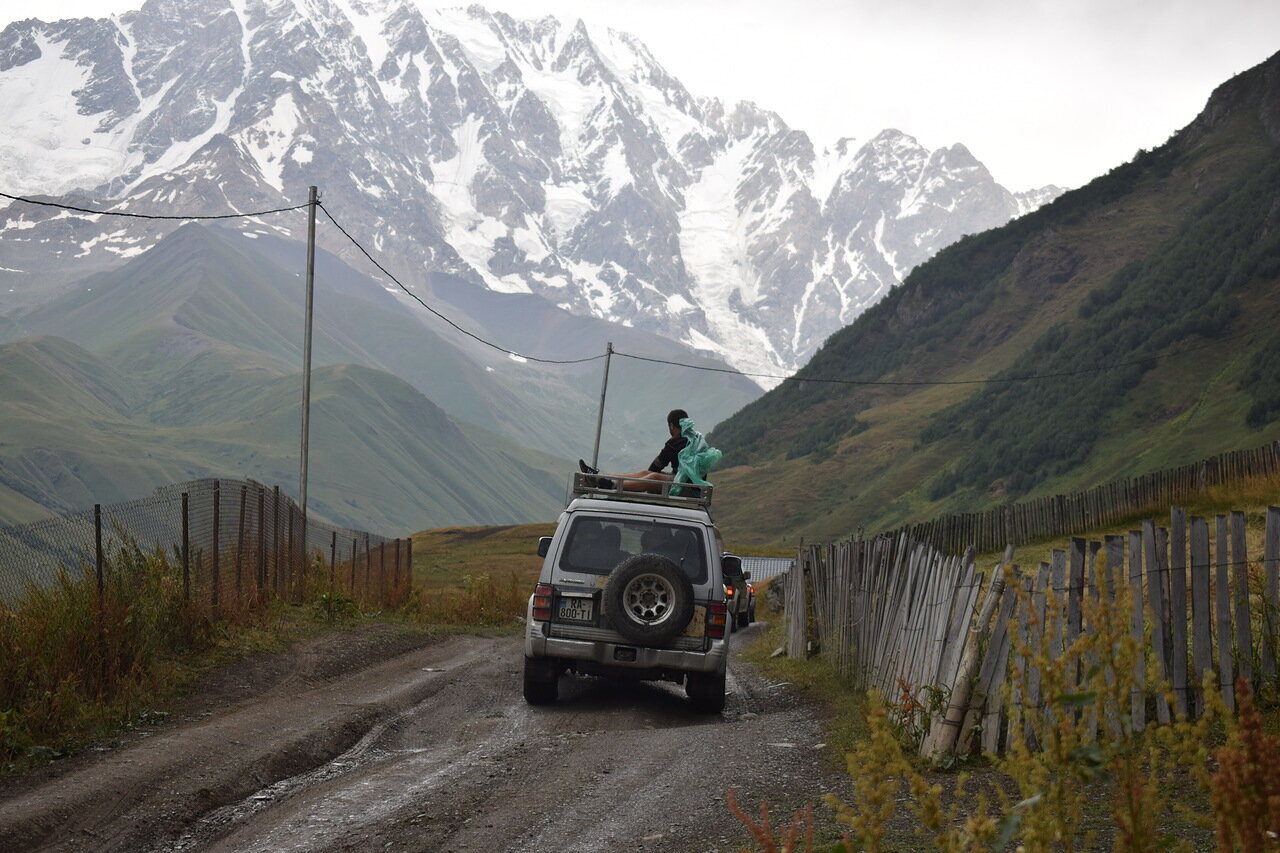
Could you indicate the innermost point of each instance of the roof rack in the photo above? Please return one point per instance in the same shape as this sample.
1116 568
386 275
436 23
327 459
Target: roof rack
670 493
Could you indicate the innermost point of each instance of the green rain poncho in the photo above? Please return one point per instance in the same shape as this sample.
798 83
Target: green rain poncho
696 458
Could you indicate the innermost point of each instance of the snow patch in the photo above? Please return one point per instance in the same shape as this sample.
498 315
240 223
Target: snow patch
677 304
49 146
830 166
471 233
483 46
614 172
566 206
368 29
268 141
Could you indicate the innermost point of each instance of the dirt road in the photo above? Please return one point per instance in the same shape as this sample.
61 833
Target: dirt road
373 743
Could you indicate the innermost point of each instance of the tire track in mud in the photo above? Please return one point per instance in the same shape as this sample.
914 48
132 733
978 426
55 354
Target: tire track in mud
440 753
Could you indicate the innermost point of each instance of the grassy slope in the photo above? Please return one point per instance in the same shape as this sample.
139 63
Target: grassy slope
191 377
382 454
1186 408
444 556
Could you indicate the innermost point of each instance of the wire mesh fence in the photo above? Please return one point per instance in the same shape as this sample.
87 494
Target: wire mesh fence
235 543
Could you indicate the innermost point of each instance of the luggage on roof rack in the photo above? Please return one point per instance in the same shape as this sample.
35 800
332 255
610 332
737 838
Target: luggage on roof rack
671 494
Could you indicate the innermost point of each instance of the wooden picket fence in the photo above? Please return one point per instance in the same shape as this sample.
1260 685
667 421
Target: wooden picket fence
1063 515
899 617
886 612
1208 612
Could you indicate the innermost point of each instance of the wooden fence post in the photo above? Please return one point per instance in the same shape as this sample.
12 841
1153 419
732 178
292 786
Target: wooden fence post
1222 608
1271 598
1075 594
1058 595
1154 541
795 608
1178 606
1201 618
1240 576
945 732
1035 643
1137 630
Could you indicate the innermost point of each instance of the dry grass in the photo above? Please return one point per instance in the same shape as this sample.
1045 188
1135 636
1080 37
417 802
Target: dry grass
475 576
75 667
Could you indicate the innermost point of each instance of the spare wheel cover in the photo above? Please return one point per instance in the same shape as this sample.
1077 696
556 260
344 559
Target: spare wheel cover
648 598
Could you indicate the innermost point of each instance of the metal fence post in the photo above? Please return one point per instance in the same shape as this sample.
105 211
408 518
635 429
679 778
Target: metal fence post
186 546
291 560
216 573
275 536
368 566
101 616
408 565
244 492
261 541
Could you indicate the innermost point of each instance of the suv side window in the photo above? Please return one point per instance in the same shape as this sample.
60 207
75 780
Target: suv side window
595 545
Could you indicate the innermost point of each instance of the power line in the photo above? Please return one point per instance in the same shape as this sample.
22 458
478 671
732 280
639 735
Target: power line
991 380
419 300
184 217
705 368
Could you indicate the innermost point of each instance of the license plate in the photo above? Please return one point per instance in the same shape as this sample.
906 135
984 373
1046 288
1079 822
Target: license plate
577 610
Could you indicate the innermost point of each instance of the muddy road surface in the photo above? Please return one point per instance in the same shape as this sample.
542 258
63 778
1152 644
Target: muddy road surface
364 743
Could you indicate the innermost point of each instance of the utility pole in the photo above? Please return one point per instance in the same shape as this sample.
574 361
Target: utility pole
604 387
313 199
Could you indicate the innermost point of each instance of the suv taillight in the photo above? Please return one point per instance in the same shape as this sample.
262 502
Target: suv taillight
542 602
716 620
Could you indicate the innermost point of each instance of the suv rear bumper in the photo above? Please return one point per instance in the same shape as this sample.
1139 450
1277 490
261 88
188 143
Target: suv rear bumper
623 656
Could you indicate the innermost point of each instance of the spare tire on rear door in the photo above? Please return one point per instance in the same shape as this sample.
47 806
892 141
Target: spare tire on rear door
648 598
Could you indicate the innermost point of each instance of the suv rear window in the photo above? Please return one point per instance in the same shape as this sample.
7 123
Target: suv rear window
596 545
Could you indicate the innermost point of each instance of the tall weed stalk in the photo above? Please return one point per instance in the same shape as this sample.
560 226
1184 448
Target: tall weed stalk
73 665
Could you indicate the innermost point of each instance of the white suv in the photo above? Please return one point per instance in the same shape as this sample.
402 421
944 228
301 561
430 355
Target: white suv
632 585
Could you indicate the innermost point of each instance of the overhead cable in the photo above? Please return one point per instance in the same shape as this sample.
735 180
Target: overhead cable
150 215
420 301
706 368
992 380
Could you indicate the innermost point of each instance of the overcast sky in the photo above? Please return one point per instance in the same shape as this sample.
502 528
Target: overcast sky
1041 91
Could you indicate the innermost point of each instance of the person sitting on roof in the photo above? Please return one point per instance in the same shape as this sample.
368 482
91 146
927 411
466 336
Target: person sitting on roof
686 453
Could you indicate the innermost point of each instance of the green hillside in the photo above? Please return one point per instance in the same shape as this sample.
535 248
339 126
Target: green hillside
383 456
1147 300
180 370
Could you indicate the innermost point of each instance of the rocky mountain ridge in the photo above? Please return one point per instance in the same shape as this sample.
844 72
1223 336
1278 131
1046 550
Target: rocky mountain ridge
522 156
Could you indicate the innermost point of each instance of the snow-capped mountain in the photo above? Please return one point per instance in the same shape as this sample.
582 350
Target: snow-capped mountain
523 155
